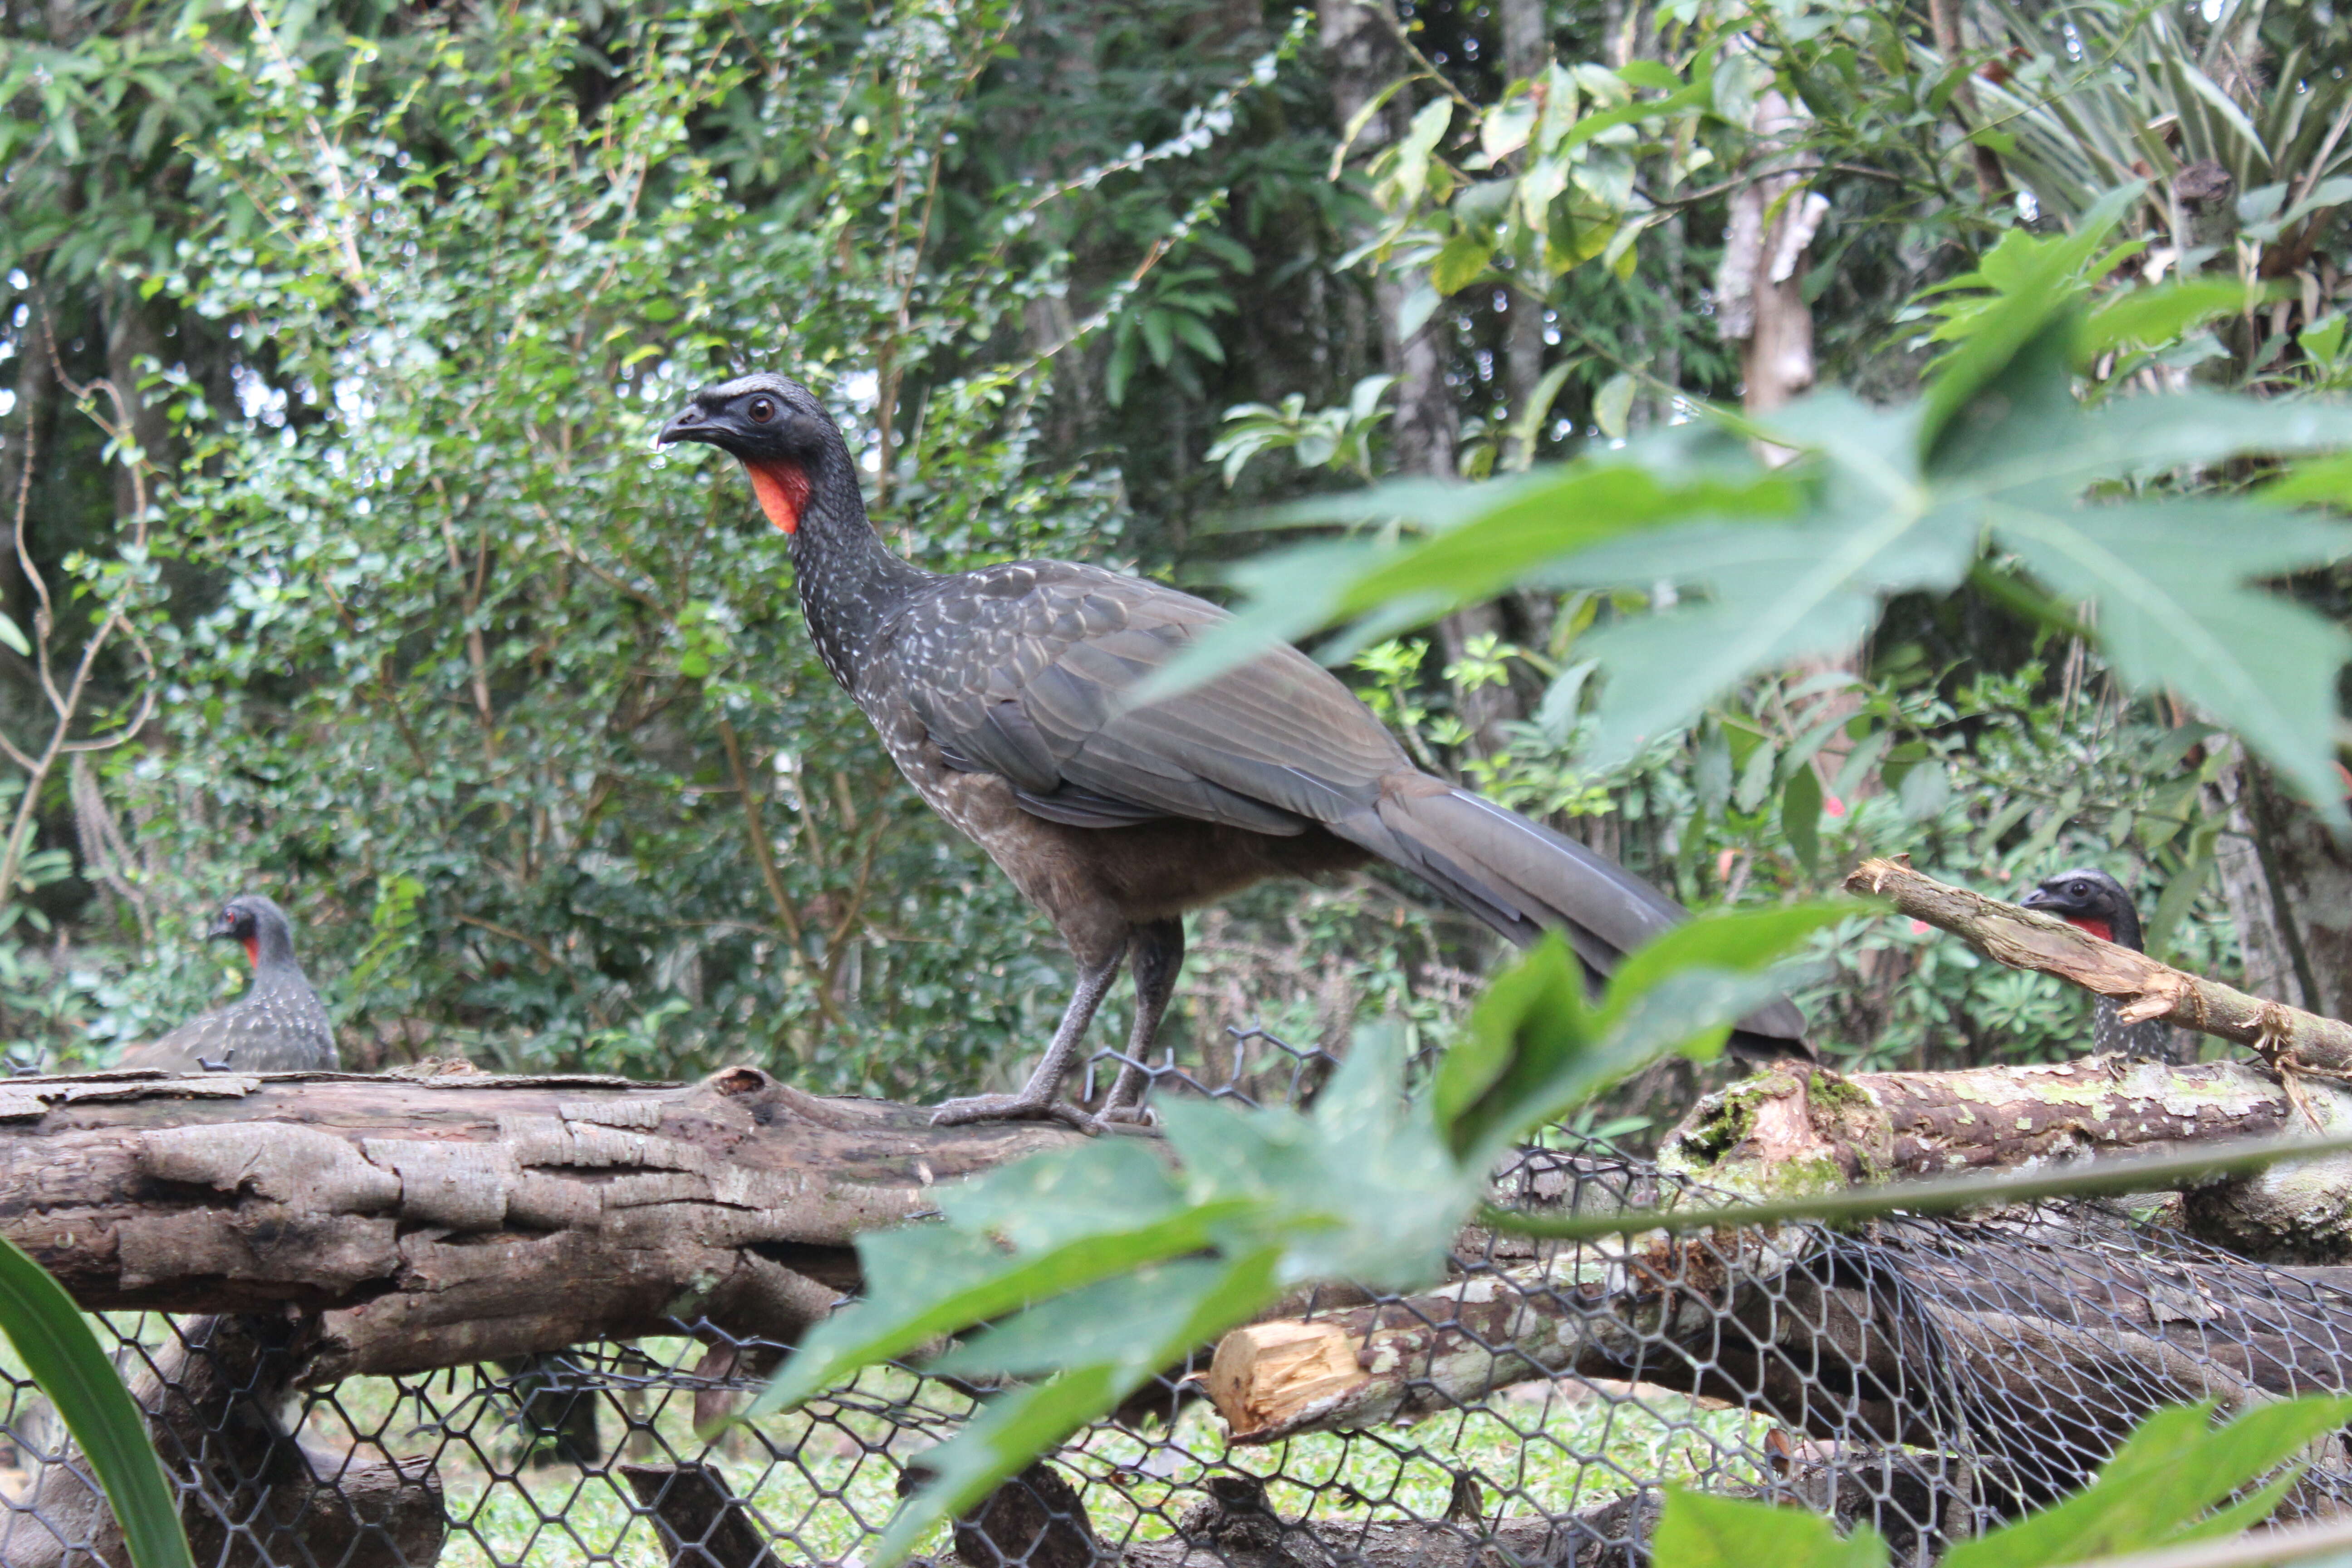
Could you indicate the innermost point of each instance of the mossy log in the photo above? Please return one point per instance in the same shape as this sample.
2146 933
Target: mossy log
1797 1130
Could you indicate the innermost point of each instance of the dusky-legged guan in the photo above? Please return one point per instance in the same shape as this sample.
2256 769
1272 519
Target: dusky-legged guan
278 1025
998 692
2096 902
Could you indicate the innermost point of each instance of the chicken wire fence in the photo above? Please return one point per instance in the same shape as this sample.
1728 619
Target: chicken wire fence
1930 1377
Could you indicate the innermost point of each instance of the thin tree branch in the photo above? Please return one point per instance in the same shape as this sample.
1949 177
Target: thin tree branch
2288 1039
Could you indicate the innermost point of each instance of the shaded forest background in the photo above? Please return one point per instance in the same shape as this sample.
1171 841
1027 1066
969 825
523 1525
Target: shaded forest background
336 335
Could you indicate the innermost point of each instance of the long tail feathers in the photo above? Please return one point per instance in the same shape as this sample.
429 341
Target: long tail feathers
1522 879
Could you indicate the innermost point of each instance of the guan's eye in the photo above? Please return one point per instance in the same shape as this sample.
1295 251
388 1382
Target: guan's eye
2081 889
762 410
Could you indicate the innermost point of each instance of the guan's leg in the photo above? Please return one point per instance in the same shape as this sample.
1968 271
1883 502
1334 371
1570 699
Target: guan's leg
1155 955
1040 1099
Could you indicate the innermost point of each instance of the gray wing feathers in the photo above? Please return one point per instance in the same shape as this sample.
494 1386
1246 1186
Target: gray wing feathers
1031 688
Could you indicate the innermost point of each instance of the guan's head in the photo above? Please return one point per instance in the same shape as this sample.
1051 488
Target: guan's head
2091 899
256 922
779 430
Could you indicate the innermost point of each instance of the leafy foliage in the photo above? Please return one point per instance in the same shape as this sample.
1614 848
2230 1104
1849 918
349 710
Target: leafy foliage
1088 1271
2160 1489
1998 456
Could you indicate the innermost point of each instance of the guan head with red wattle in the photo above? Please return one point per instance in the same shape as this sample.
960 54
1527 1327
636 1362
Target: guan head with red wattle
776 428
2091 900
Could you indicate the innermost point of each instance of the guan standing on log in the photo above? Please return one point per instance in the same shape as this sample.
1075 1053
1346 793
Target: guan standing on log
997 692
2097 903
278 1025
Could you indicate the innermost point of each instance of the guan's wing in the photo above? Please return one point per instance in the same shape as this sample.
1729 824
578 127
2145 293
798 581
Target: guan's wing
1023 670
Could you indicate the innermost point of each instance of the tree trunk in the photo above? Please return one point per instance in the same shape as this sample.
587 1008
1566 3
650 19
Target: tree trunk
134 336
2289 887
1361 55
1759 294
1527 50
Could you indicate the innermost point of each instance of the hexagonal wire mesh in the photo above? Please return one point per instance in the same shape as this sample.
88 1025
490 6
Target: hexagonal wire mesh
1932 1377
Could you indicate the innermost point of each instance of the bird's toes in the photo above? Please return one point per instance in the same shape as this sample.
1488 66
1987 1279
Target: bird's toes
1131 1115
1011 1107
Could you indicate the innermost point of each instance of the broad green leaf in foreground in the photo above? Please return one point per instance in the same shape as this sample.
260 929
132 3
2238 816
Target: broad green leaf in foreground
2162 1488
1998 466
1086 1272
1697 1531
49 1332
2155 1489
1534 1049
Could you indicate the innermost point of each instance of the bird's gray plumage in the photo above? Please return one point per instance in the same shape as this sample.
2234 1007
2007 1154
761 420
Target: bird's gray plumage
278 1025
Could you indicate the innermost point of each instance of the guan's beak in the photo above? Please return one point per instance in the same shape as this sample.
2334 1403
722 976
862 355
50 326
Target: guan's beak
691 424
223 925
2035 900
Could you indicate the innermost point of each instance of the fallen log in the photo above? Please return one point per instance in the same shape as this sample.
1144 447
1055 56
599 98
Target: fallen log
2045 1340
449 1219
1791 1132
1794 1132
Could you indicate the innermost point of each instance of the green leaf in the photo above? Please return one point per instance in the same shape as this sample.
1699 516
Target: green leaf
1613 405
999 1442
2037 297
1459 264
1136 1323
1533 1050
1521 1037
1801 814
1411 170
13 636
1071 1219
54 1341
1696 1531
2174 1468
1745 943
2168 579
2148 317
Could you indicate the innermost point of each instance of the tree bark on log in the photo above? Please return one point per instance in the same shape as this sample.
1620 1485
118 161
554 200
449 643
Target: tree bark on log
1790 1132
2047 1350
447 1220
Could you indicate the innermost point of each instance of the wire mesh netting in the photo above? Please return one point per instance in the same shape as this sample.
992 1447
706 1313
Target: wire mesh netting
1929 1377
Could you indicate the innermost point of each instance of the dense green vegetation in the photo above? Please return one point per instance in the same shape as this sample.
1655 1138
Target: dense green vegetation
341 569
338 333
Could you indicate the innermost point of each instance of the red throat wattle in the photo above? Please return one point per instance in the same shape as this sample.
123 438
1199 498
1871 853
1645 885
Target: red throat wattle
252 951
2099 929
782 489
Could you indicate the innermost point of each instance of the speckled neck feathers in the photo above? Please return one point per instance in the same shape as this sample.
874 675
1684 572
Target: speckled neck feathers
848 583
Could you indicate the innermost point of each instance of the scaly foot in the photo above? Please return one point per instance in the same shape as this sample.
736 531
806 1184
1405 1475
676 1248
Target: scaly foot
1013 1107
